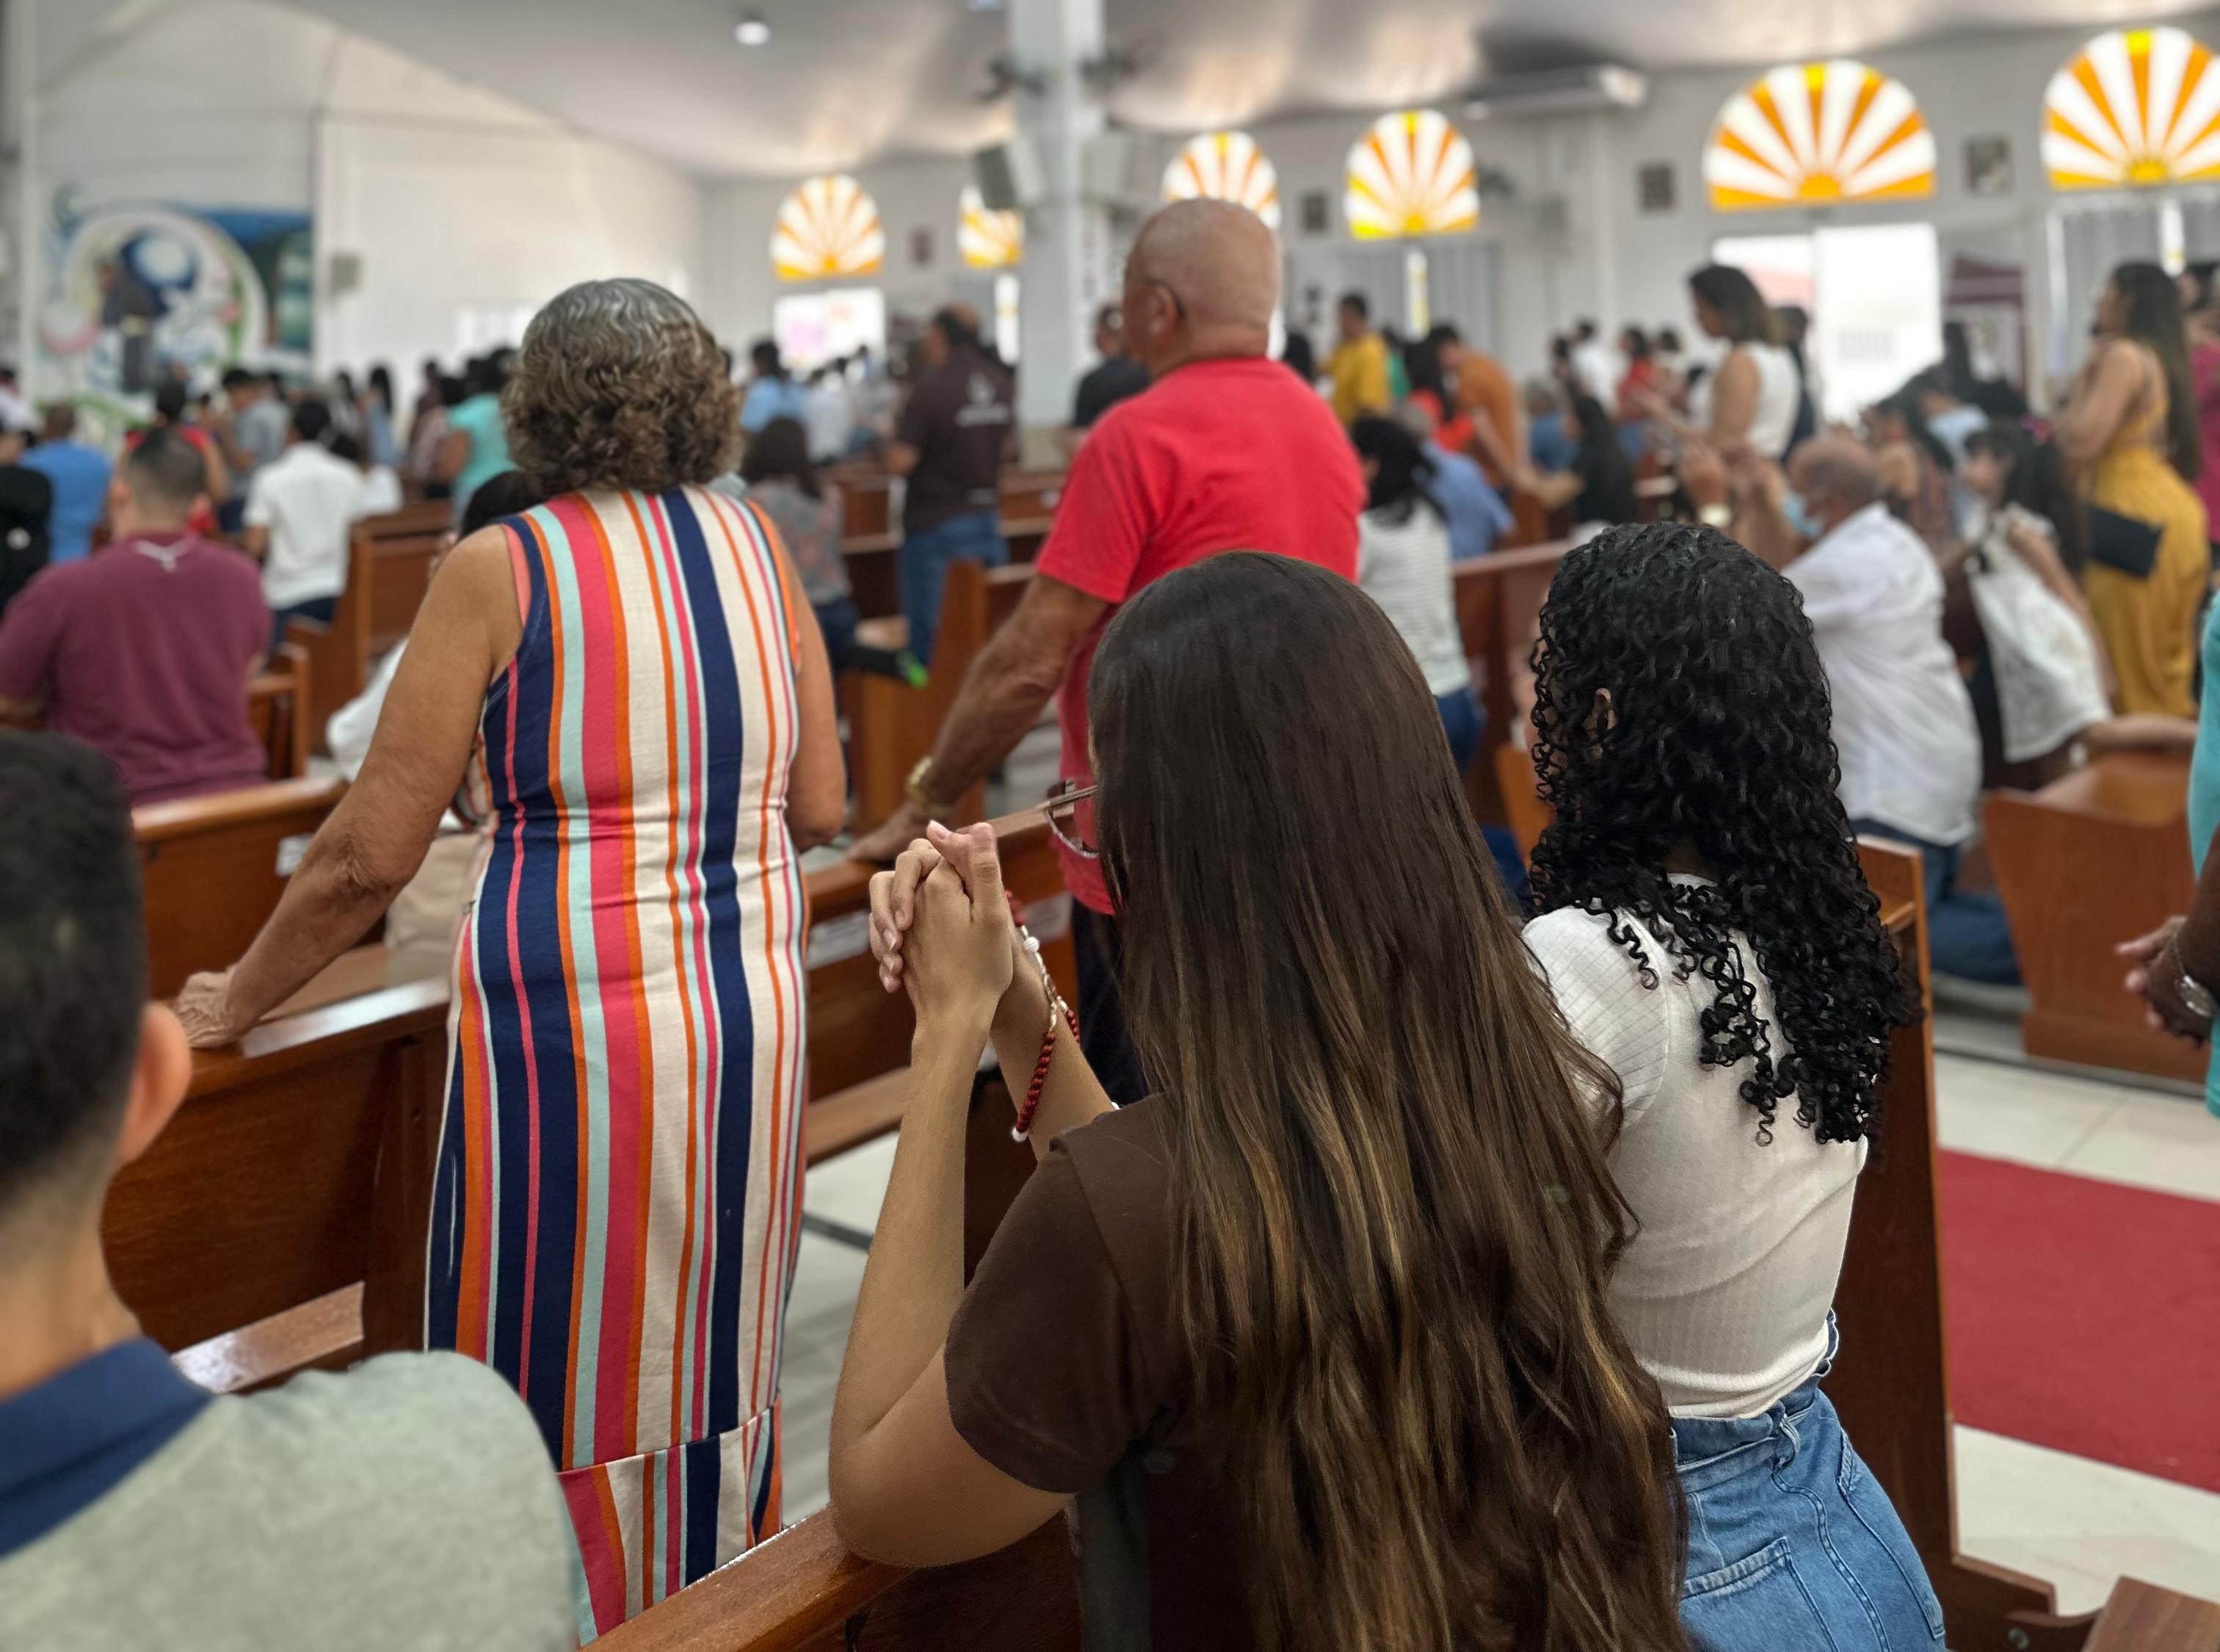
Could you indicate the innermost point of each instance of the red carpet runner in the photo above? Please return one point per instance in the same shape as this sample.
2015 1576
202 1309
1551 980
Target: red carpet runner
2085 1316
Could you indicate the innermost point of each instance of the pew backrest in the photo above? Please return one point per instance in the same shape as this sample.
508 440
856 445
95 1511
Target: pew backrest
277 708
297 1173
339 652
1498 600
214 868
2098 857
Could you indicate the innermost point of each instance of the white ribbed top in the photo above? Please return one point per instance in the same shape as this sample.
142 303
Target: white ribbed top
1725 1292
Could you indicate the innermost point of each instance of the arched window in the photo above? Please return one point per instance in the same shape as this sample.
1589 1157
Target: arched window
988 240
828 226
1226 166
1810 133
1412 174
2135 107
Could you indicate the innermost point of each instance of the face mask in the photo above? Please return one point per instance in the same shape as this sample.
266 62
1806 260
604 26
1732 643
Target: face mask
1798 516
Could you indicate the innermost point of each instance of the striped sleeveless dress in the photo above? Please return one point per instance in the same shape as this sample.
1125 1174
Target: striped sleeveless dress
614 1214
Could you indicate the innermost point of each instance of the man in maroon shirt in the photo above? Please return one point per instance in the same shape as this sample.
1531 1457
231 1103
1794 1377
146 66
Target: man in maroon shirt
144 650
1227 451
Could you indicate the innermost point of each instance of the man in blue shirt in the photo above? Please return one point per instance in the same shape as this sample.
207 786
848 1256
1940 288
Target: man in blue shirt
772 393
137 1509
79 475
1468 502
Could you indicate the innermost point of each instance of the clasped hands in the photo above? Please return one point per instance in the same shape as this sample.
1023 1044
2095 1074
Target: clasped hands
941 926
2154 975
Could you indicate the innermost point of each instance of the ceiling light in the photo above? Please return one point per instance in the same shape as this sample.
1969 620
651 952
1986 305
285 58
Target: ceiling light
752 30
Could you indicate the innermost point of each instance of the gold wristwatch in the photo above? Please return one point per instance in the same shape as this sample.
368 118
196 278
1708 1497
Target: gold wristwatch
922 800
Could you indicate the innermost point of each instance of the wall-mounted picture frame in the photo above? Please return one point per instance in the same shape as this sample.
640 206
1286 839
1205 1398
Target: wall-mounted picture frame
1654 186
1989 165
1317 212
920 248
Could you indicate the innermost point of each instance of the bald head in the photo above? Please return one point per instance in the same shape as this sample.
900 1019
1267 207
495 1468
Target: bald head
1221 264
1837 476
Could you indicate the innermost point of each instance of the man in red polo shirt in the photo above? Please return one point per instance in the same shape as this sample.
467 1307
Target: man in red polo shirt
1226 450
145 649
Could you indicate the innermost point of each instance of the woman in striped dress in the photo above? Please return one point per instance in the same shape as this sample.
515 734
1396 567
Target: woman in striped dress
619 1173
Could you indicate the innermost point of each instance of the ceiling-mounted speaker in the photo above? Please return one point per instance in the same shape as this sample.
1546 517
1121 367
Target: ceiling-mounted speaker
1011 175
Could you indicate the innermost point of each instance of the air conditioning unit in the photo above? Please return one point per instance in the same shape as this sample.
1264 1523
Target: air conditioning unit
1559 92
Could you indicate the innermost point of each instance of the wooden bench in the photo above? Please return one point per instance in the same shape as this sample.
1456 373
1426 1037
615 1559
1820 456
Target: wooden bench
874 563
338 651
278 1223
214 866
891 725
2098 857
277 708
400 573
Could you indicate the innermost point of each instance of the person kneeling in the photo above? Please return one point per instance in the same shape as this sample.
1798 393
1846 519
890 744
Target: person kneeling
1317 1334
407 1503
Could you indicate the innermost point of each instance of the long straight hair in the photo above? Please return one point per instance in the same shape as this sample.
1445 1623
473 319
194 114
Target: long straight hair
2150 312
1394 1225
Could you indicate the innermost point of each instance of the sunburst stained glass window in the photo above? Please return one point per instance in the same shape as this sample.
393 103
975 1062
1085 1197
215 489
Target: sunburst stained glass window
1412 174
988 240
1810 133
2136 106
828 226
1226 166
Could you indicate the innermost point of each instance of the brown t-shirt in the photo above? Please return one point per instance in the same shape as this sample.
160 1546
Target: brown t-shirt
958 417
1068 1371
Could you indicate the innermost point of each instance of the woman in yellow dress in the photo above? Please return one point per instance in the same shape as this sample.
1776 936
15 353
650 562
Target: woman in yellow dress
2130 427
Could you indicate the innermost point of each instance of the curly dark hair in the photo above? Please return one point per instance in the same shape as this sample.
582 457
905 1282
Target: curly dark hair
620 385
1715 743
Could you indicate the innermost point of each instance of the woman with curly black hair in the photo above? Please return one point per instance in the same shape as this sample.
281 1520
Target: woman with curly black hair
1710 937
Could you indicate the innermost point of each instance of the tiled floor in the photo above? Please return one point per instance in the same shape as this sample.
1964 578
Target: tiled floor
2079 1523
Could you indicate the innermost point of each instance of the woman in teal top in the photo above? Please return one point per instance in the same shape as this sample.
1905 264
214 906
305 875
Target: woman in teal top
475 448
2176 966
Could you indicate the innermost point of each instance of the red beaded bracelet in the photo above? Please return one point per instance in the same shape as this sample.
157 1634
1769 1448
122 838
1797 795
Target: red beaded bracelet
1056 1009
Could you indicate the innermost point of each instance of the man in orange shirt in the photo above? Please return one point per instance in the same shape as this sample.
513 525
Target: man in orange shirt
1486 393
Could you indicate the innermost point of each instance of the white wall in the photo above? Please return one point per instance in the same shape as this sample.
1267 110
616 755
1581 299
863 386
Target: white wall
1573 241
453 196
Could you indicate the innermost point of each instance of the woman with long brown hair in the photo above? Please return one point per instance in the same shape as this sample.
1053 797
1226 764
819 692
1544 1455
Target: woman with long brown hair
1317 1334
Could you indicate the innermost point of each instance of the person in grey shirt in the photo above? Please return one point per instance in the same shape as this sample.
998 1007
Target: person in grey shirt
407 1503
253 433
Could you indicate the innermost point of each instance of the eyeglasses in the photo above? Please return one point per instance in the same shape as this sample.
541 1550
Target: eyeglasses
1070 812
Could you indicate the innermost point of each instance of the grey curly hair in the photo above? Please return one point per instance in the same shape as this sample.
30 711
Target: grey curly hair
620 385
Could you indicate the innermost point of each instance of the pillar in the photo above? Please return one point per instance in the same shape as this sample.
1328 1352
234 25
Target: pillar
1067 270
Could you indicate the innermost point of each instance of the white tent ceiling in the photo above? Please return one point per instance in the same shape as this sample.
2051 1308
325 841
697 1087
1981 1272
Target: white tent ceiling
845 81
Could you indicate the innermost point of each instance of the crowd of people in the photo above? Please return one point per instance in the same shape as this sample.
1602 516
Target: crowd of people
1375 1288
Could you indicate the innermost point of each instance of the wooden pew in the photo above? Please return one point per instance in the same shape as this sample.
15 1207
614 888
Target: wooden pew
1499 601
2098 857
804 1592
278 1223
1892 1380
891 725
277 707
400 573
214 868
338 651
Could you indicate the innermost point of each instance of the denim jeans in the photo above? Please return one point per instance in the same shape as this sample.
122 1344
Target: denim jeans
320 609
976 537
1967 934
1792 1545
1463 720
